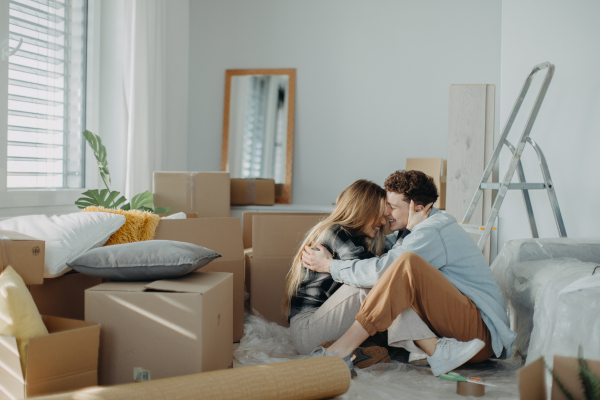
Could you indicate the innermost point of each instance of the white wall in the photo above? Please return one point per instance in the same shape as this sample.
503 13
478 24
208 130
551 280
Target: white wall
372 78
567 34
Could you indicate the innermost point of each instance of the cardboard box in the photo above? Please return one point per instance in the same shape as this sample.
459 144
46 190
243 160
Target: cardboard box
206 193
247 223
532 379
63 361
276 240
223 235
168 327
436 168
253 191
26 256
63 296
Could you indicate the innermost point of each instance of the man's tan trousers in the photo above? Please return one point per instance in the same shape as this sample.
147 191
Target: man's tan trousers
412 282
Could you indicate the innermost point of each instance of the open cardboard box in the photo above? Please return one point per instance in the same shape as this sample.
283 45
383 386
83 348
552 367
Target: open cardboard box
169 327
63 361
532 379
26 256
223 235
276 240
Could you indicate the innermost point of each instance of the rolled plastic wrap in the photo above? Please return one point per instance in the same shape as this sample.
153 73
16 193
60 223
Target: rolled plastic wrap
533 275
306 379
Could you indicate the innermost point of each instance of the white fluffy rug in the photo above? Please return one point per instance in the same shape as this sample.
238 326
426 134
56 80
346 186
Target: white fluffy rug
266 342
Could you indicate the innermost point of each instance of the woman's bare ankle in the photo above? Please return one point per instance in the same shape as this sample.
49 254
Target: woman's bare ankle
339 351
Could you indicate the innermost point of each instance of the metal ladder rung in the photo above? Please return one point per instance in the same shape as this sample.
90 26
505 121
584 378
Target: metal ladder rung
515 186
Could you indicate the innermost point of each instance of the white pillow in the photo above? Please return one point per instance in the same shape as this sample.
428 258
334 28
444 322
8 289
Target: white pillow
179 215
66 236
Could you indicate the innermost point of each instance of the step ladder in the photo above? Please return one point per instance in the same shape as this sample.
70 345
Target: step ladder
516 166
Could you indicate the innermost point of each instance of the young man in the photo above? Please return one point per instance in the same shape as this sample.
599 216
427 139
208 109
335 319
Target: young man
438 271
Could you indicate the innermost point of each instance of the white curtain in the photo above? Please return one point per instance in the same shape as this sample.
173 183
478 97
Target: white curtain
144 53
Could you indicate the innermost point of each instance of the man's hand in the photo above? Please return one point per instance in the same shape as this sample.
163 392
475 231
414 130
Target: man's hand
416 217
317 260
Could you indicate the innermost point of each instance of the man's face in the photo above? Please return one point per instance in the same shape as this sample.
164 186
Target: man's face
396 211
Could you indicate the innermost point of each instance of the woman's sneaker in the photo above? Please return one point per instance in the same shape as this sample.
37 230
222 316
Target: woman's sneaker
450 354
365 356
321 352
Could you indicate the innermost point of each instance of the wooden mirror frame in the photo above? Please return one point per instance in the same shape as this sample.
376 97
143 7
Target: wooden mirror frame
286 194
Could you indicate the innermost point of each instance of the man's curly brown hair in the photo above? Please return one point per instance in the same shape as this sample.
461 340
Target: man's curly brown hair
414 185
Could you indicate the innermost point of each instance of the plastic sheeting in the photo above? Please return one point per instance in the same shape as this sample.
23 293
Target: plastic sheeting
266 342
551 295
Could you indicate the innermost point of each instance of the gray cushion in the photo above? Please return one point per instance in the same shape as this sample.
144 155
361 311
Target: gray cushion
143 261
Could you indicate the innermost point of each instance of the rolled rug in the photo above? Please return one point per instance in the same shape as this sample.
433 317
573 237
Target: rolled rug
305 379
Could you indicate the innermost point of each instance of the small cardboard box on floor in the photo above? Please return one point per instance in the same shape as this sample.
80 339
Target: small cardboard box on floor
169 327
253 191
276 240
532 379
63 361
223 235
26 256
205 193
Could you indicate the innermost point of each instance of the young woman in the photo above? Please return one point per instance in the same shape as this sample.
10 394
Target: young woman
318 308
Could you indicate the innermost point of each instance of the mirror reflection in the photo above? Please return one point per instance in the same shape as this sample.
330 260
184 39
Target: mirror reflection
258 126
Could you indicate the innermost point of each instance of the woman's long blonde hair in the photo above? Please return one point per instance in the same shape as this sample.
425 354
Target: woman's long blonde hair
360 204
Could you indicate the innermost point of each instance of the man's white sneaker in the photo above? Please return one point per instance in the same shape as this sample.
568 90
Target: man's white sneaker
450 354
417 358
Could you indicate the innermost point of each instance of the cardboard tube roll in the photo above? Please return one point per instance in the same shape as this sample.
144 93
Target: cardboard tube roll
305 379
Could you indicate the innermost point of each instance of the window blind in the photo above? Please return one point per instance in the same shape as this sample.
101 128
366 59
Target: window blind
46 94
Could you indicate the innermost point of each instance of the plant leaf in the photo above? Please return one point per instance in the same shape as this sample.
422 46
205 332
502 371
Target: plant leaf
589 381
103 198
100 153
162 210
143 201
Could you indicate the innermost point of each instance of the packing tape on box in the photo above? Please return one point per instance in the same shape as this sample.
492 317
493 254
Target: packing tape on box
470 389
251 190
5 252
189 190
308 378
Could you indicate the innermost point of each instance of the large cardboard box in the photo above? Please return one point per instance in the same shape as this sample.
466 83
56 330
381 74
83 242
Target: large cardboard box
247 223
223 235
26 256
436 168
206 193
168 327
532 379
276 240
253 191
63 296
63 361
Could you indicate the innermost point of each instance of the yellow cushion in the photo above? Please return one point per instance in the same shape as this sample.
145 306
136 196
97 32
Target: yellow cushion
139 225
19 316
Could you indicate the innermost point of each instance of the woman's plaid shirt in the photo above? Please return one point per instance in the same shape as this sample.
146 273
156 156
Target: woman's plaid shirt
316 287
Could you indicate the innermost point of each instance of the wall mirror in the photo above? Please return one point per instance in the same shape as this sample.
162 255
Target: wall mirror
258 126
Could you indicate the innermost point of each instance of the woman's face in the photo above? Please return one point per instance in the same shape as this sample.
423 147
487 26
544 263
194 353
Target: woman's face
373 229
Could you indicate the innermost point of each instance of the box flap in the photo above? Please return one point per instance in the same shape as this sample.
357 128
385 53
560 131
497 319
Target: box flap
532 381
11 360
119 287
17 236
59 324
247 223
64 353
223 235
280 235
199 282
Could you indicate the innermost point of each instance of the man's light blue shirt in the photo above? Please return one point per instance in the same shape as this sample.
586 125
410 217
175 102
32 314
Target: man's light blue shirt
445 245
